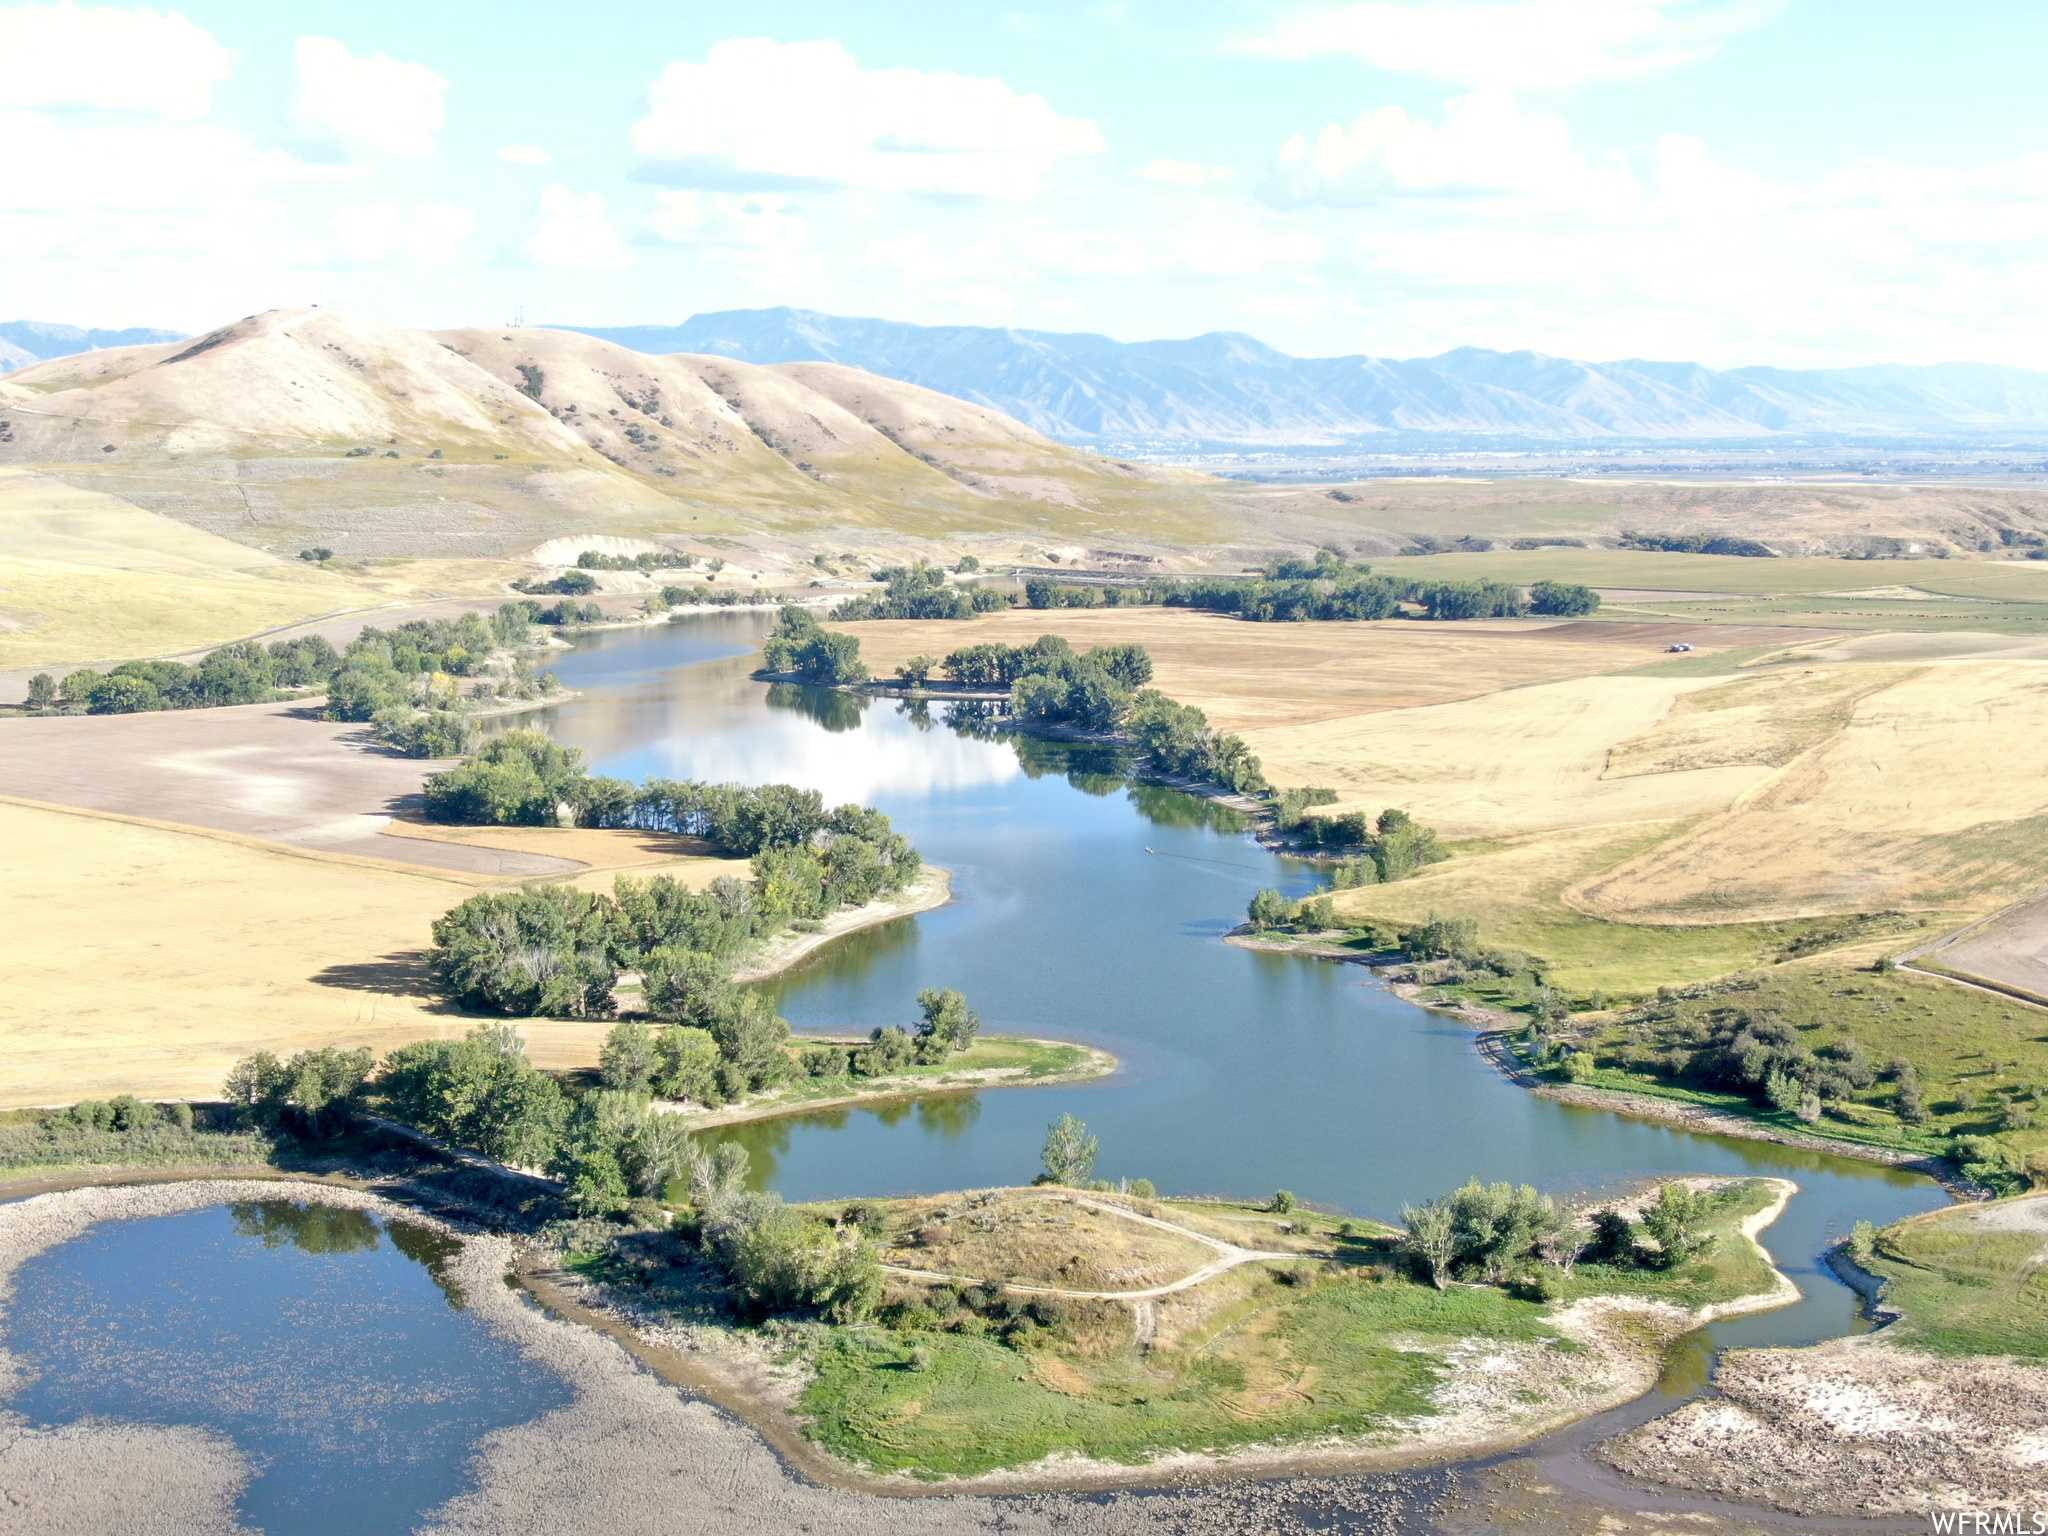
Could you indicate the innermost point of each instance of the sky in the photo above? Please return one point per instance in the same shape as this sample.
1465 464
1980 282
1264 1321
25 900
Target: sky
1792 182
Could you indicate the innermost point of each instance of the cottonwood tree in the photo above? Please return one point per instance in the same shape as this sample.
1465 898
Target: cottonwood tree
1069 1151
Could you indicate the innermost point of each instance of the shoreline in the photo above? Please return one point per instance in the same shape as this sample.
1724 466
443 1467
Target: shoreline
739 1380
1493 1024
933 888
1634 1353
1093 1064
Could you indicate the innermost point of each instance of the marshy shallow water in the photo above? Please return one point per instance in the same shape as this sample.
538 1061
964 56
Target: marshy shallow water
328 1344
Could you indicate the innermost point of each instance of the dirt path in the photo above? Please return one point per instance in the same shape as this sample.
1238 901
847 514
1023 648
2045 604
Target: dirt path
1228 1257
2006 952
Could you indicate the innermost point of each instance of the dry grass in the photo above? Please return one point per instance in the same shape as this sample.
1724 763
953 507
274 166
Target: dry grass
1914 802
1039 1238
1509 763
87 576
609 853
146 958
1263 675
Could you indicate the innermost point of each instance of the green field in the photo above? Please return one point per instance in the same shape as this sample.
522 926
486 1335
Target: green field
1980 1059
1967 1285
1345 1345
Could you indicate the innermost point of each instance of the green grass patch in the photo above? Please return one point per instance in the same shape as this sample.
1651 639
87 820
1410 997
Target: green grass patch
1026 1060
1965 1286
1353 1347
977 1406
1981 1060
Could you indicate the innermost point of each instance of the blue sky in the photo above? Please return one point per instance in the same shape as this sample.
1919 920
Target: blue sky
1800 182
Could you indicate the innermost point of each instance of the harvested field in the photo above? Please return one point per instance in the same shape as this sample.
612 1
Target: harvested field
273 771
2010 952
147 958
1529 759
1249 676
1931 794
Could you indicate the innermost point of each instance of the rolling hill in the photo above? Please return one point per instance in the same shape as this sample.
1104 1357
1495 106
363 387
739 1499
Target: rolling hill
1227 387
301 426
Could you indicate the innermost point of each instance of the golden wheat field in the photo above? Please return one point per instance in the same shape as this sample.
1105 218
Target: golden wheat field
1252 675
145 958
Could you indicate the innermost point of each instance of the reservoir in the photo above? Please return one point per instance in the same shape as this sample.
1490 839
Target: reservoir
1089 907
329 1346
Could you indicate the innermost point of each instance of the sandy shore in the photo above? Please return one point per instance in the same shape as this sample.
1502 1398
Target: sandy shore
1494 1396
769 1107
932 888
631 1454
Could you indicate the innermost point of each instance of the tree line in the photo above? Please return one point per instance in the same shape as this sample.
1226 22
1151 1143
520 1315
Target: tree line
403 681
919 591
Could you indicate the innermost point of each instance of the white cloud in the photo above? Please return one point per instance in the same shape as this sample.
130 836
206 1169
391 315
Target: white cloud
1522 43
1181 173
432 234
763 115
51 165
765 235
524 154
376 105
1485 144
71 56
572 231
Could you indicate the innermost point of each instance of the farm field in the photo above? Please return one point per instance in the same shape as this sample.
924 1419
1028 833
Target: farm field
148 958
1258 675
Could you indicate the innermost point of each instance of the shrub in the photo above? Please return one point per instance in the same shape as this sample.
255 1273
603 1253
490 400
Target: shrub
1144 1189
1283 1201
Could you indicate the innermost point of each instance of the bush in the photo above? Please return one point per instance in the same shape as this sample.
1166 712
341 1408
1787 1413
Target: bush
1283 1201
1144 1189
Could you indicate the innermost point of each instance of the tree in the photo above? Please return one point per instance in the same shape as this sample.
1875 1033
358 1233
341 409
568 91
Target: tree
255 1087
1675 1222
123 694
687 1065
628 1059
916 671
77 687
479 1092
1563 599
949 1025
1069 1151
889 1050
42 691
1430 1238
542 950
1130 665
686 986
1269 909
718 1175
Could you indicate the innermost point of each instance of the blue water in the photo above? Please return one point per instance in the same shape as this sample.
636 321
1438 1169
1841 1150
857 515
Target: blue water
1089 909
325 1343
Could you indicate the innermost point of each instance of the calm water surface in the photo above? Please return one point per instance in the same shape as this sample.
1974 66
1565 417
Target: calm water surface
1088 909
328 1344
330 1347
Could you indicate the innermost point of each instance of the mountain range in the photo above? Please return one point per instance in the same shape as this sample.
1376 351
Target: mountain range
1227 387
23 342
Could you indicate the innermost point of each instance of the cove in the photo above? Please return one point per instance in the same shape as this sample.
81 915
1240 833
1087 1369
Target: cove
328 1344
1089 907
